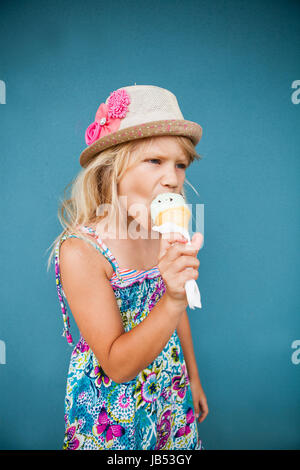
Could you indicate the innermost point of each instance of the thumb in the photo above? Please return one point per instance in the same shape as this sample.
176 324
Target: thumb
197 240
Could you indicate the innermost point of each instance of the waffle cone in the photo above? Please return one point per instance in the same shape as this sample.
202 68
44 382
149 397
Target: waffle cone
177 215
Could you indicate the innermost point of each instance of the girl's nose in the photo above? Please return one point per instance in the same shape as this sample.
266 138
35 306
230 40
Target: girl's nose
170 178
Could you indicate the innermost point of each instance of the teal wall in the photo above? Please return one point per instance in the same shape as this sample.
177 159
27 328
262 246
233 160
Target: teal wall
232 65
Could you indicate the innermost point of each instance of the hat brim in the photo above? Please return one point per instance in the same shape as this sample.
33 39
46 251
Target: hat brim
179 127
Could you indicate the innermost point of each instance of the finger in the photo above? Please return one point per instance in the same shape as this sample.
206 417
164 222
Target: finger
182 278
197 240
172 235
202 417
185 264
179 249
187 274
204 411
167 246
170 239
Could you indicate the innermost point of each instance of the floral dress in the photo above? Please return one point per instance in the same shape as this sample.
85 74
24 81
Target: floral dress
153 411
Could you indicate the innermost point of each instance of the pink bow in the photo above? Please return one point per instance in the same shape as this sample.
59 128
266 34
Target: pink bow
108 116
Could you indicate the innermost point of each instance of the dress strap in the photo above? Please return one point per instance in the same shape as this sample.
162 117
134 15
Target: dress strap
103 249
106 251
61 294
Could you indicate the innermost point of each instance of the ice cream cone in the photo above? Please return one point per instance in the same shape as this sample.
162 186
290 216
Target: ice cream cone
170 208
169 213
178 215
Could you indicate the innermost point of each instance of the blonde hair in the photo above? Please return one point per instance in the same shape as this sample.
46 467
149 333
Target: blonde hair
97 184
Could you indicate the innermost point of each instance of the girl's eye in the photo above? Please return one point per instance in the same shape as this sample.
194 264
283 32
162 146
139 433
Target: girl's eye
183 166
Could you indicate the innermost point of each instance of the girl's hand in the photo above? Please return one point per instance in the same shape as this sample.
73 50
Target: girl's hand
199 399
174 259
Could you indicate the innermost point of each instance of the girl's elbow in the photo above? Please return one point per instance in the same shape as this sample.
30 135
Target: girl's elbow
120 378
116 375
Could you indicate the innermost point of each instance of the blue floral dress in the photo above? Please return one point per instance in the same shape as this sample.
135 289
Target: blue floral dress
153 411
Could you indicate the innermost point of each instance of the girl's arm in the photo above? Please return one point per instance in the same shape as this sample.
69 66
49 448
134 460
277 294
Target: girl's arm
199 397
185 337
122 355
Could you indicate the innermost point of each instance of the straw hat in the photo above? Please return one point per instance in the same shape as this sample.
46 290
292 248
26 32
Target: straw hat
134 112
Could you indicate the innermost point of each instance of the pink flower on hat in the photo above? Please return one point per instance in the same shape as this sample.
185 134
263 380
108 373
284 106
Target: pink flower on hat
118 103
108 116
92 133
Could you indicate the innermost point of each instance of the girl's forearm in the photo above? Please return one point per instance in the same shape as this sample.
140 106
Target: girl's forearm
186 341
134 350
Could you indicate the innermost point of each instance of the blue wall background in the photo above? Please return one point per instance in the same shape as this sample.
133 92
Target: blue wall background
232 66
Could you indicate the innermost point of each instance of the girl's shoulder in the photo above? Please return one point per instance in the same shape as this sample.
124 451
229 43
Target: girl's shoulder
86 245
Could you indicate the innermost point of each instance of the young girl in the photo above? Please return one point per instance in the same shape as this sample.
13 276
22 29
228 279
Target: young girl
133 381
